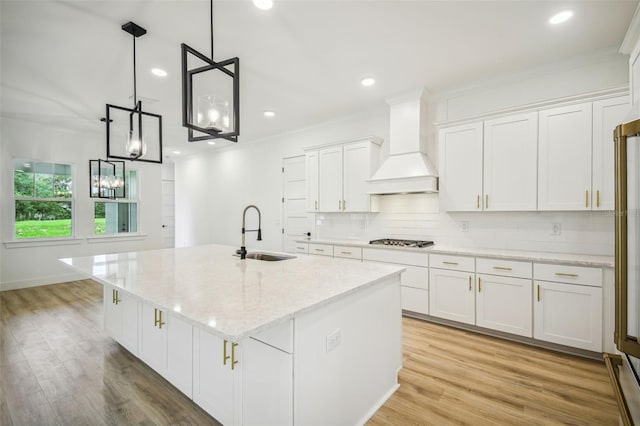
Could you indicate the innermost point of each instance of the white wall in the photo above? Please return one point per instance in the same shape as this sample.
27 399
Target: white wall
34 264
212 190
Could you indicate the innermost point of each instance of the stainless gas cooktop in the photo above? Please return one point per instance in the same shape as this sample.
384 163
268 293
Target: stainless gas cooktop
402 243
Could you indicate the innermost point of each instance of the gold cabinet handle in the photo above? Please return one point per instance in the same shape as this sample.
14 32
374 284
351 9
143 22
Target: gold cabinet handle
316 205
478 201
586 198
117 299
157 318
225 357
502 268
598 198
450 263
113 296
562 274
538 292
469 282
486 201
345 252
233 355
479 285
299 248
319 249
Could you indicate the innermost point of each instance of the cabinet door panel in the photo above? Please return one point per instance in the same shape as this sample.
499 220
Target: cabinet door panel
504 304
510 163
607 114
130 312
213 384
180 355
452 295
568 314
356 172
330 176
415 299
564 173
461 167
312 181
153 340
112 314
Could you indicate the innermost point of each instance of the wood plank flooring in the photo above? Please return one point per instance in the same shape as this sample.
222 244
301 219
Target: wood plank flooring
57 367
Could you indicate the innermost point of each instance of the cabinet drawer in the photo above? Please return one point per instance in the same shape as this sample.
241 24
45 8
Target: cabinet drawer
455 263
416 277
415 300
396 256
568 274
301 248
321 249
507 268
347 252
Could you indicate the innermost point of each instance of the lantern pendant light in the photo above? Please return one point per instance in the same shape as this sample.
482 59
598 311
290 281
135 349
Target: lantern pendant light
133 134
107 179
210 94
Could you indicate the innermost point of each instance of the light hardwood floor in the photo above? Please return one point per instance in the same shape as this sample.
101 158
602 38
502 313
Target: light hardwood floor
58 367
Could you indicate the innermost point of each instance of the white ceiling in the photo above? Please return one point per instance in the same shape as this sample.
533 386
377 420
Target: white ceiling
62 61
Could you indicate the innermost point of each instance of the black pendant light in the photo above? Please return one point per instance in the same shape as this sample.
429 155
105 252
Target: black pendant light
107 179
210 94
133 134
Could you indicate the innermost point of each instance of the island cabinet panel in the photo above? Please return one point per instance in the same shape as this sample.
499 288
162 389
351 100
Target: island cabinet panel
166 344
121 311
246 383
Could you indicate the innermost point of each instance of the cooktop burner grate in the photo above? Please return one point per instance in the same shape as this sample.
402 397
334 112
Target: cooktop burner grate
402 243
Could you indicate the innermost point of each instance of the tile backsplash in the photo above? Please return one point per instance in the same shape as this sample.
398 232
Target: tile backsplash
418 216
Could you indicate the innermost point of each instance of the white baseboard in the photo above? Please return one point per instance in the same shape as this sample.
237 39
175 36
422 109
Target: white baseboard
15 285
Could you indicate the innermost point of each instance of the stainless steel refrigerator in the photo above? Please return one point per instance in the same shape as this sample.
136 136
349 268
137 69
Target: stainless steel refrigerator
625 369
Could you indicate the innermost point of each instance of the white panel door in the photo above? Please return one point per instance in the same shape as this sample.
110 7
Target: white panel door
297 222
180 354
564 169
461 167
312 174
452 295
356 172
568 314
153 338
330 179
168 214
504 304
511 163
607 114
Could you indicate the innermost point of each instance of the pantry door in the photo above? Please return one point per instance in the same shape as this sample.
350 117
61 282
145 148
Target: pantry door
296 221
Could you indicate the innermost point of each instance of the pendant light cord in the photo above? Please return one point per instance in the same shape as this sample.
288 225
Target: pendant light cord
211 9
135 96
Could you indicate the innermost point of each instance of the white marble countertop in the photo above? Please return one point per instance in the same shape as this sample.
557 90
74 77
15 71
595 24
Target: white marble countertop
235 298
532 256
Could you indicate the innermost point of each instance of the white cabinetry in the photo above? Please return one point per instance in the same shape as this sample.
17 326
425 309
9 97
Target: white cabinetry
166 344
510 163
461 167
121 311
503 297
452 291
607 114
248 383
414 281
337 175
568 310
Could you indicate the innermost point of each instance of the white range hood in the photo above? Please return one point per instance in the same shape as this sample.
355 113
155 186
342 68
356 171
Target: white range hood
407 169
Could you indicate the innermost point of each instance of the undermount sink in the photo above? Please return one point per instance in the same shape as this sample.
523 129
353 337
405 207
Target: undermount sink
269 257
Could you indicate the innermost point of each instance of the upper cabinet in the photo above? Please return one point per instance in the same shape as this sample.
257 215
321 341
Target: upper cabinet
490 165
552 159
337 175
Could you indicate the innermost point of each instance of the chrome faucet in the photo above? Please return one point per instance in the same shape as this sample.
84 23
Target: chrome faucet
243 249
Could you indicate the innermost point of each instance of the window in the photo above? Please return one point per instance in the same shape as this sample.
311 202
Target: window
43 199
121 215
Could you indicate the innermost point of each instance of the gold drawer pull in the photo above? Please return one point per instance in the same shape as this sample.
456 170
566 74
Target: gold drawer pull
598 198
469 282
479 285
538 292
563 274
157 318
502 268
345 252
299 248
586 198
486 201
233 355
450 263
478 202
319 249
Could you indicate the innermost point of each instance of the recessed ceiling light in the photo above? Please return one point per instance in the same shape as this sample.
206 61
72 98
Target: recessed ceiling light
368 81
269 113
176 152
211 142
159 72
561 17
263 4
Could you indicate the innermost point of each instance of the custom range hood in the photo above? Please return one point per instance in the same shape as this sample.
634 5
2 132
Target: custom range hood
407 169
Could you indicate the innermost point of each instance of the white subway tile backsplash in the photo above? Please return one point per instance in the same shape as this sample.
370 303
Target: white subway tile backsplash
417 216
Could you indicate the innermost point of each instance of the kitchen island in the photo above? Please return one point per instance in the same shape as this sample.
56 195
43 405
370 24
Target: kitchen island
300 341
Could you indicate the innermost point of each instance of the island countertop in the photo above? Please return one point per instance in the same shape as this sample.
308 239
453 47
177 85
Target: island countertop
209 286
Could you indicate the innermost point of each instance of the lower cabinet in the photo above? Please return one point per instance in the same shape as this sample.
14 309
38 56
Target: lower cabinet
248 383
451 295
504 304
121 311
166 345
568 314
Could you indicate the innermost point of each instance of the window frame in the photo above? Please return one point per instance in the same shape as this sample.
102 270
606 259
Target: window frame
71 200
127 200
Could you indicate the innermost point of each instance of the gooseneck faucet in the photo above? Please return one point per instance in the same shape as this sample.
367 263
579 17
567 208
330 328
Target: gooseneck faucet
243 249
